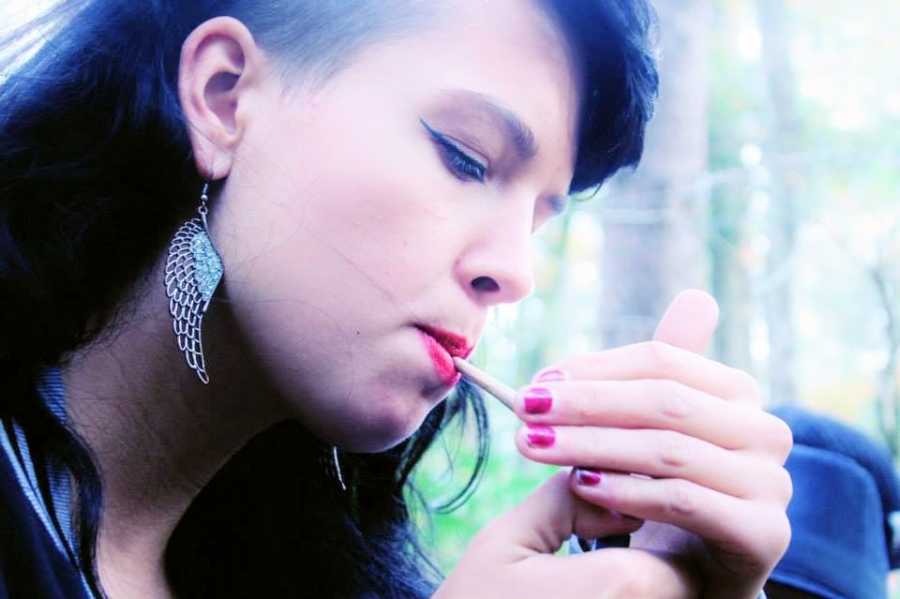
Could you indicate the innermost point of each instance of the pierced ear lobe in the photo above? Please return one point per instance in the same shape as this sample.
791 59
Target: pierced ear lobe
214 72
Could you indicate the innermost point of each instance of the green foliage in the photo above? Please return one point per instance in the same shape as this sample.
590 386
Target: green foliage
508 479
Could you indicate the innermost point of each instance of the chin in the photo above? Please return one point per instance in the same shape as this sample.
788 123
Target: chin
385 430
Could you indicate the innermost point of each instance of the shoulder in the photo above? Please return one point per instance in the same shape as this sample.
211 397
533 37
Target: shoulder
30 563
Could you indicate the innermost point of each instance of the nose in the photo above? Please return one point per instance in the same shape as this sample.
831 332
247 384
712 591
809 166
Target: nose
496 267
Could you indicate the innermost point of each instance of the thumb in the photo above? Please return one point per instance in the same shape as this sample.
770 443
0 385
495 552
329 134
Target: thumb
536 529
689 321
549 517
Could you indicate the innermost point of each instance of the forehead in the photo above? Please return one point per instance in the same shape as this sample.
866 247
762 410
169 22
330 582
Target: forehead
513 52
474 53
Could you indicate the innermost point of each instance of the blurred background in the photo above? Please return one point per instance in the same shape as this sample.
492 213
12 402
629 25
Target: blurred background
771 179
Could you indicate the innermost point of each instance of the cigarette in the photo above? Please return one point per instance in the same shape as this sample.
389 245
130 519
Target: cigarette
502 392
508 397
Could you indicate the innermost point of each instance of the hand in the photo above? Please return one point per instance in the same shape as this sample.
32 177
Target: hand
513 556
709 461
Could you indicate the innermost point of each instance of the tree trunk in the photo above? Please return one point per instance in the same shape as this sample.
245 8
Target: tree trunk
655 218
886 399
730 278
784 141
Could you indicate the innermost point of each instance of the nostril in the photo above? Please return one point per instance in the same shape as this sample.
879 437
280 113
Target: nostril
485 284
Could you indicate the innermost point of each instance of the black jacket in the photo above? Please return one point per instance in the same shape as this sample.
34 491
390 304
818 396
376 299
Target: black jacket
31 566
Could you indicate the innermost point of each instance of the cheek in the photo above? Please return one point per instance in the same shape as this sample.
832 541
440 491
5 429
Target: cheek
324 244
365 228
372 209
351 192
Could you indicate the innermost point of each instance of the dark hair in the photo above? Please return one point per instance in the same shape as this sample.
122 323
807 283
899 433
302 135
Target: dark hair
96 174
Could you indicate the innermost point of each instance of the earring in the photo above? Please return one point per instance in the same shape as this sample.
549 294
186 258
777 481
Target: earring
193 271
332 466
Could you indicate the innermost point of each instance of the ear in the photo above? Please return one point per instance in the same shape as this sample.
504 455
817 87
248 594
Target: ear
220 62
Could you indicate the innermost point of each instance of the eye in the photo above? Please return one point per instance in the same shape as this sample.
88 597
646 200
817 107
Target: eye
461 165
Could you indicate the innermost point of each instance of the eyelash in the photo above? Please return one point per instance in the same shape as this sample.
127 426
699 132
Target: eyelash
461 164
466 168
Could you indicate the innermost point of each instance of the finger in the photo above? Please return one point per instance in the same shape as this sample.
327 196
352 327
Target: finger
655 404
689 322
545 520
658 360
753 528
659 454
685 329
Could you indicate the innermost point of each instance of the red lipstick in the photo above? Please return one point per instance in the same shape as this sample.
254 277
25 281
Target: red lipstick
442 347
456 345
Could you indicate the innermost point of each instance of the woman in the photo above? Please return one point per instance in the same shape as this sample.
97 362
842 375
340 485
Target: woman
347 188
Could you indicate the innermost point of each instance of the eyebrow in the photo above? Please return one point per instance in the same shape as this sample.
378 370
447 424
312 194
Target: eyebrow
515 130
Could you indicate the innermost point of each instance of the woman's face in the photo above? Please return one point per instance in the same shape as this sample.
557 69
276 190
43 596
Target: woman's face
399 195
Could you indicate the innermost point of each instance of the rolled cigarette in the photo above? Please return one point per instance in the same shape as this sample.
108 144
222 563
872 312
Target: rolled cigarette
507 397
505 394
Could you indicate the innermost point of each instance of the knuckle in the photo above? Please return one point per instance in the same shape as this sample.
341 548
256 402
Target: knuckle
766 542
785 486
672 452
660 356
778 536
680 501
584 401
781 437
625 578
673 405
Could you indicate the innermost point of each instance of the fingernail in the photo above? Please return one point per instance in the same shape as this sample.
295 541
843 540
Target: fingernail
548 375
537 400
588 478
540 435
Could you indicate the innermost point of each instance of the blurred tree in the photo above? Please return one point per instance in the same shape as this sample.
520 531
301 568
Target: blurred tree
736 101
880 269
729 279
654 219
886 399
784 143
535 340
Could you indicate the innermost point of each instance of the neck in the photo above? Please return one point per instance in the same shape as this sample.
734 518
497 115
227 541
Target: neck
158 433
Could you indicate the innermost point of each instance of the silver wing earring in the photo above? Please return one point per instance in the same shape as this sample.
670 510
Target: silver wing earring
193 271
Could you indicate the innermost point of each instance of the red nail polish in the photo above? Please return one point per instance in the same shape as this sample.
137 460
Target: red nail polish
588 478
540 435
537 400
548 375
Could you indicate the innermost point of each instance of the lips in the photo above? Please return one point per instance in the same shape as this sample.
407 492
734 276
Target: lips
442 347
455 345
